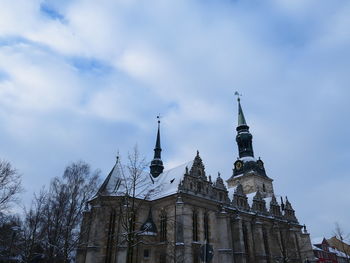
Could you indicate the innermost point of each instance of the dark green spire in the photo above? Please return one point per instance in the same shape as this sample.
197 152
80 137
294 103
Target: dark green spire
157 163
243 138
157 149
241 119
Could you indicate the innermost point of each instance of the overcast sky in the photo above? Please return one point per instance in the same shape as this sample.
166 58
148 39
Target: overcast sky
82 79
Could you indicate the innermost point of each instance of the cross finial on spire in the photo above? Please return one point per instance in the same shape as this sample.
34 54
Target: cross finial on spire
117 157
238 95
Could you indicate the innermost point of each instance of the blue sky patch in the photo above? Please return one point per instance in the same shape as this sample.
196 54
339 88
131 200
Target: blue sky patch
90 65
3 75
49 11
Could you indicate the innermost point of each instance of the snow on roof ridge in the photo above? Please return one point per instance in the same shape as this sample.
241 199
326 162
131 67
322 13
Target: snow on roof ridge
167 182
248 159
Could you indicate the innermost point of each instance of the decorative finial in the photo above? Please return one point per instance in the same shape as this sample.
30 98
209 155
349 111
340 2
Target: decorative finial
238 95
117 157
158 117
219 174
197 153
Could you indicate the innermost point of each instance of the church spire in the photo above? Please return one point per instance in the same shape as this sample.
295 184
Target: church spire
157 164
157 149
244 137
241 119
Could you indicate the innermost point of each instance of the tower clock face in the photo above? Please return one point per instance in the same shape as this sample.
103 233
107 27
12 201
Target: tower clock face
238 165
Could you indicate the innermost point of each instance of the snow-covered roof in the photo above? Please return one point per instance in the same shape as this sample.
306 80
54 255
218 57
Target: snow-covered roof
268 201
167 182
315 248
231 191
319 240
250 198
118 182
337 252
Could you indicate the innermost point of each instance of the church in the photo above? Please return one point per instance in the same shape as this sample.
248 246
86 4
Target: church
182 215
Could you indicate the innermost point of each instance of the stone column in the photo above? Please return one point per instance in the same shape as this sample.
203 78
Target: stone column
97 239
237 240
223 249
305 246
179 230
250 254
294 244
260 256
276 245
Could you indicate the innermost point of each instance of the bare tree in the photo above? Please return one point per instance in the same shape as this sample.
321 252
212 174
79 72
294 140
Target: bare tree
10 185
33 234
51 226
340 234
135 189
9 238
289 247
64 207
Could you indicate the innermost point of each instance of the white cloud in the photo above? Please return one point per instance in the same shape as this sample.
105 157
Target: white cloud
183 60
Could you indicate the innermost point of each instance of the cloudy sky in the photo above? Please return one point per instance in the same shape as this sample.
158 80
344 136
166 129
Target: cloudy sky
82 79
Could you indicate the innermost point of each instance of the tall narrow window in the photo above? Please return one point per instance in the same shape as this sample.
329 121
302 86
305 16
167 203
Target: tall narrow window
206 227
163 227
266 244
146 253
110 239
195 225
246 242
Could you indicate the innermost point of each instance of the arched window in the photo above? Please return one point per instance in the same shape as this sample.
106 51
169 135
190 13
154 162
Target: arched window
206 227
195 225
163 226
264 188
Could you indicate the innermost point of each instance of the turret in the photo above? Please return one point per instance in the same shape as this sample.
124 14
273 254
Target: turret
157 167
244 137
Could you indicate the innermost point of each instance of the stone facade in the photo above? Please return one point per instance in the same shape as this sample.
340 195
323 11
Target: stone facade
243 221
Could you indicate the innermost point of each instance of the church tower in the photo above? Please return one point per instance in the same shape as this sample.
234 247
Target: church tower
248 171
